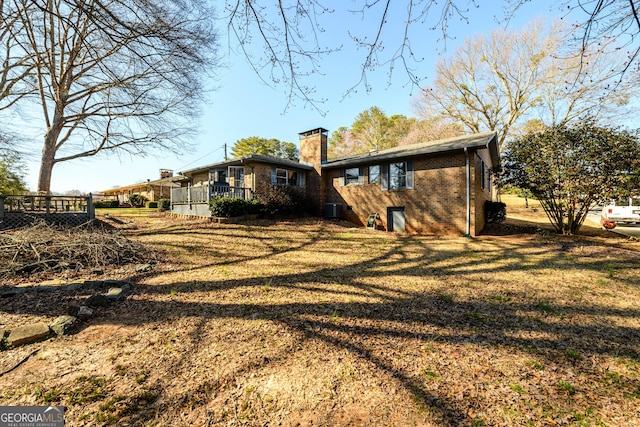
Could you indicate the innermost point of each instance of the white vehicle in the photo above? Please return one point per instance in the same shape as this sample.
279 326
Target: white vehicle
621 211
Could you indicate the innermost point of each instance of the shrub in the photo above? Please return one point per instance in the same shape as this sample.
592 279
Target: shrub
164 204
281 199
137 200
151 205
495 211
227 207
106 204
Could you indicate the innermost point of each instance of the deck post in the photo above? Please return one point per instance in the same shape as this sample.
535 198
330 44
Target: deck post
91 211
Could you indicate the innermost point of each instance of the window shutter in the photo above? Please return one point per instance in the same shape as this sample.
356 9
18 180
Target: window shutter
409 174
274 180
384 176
341 180
361 176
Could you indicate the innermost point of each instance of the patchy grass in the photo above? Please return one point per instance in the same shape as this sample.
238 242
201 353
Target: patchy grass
316 323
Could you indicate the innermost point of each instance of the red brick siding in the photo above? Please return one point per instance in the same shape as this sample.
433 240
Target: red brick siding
313 150
481 194
436 205
202 177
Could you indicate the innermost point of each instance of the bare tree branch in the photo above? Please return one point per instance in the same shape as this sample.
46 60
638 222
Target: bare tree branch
113 75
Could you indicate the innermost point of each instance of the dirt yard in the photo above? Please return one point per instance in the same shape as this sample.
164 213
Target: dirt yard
315 323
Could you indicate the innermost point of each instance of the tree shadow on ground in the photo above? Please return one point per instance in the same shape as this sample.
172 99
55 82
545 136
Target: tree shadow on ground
406 291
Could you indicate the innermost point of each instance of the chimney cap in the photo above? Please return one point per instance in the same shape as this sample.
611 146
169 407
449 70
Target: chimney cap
311 132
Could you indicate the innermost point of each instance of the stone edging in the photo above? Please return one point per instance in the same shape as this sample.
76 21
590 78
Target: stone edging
116 290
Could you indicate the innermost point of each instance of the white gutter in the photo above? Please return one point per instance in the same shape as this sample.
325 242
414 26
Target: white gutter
468 182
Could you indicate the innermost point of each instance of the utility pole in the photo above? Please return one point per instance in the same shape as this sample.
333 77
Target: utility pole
225 151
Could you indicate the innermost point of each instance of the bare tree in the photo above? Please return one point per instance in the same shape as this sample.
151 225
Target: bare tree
291 44
291 37
430 130
111 76
496 83
601 25
16 67
15 72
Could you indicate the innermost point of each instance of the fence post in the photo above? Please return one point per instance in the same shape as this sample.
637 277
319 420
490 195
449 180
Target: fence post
90 209
47 204
1 207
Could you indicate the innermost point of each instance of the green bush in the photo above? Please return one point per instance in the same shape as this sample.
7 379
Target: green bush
151 205
137 200
164 204
281 199
106 204
227 207
495 211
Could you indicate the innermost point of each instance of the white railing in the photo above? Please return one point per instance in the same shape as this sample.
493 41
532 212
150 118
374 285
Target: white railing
204 193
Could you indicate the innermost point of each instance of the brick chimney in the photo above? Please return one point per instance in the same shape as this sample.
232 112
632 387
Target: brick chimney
313 146
313 151
166 173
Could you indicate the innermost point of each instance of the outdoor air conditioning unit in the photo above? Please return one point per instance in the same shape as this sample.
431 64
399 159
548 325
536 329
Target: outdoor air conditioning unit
333 210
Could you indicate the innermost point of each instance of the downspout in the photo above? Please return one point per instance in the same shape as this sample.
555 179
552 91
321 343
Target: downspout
468 185
253 183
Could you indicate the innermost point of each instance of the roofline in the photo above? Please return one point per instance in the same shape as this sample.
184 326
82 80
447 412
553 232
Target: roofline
162 181
260 158
477 141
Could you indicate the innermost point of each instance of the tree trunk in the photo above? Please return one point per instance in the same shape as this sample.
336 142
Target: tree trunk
48 160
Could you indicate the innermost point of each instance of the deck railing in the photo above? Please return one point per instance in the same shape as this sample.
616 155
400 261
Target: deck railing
204 193
17 211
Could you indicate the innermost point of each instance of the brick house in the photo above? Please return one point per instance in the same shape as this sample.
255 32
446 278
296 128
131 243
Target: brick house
151 190
234 178
436 187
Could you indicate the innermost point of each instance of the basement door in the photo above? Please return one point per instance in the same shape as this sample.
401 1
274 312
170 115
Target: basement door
395 219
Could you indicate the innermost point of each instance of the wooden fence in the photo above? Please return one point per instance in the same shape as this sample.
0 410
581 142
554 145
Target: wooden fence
23 210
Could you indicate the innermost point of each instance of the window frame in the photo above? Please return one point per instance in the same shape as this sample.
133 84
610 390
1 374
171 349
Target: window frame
285 176
409 176
377 180
279 177
352 178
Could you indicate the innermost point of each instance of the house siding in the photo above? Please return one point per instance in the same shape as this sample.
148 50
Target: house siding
482 188
151 192
436 205
435 202
313 150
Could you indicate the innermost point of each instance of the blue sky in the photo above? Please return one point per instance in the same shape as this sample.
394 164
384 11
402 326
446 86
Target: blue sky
243 106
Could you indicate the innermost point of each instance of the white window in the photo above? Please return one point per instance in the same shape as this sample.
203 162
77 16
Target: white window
397 176
286 177
374 174
282 177
352 176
